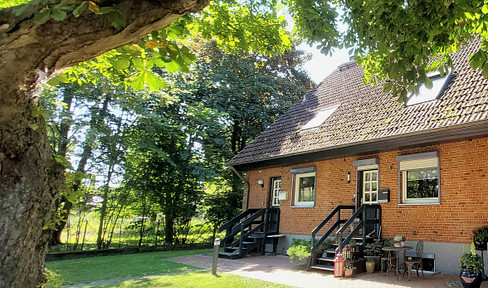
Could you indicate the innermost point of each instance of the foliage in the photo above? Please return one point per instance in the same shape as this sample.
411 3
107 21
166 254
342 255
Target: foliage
370 260
52 279
374 249
471 261
87 270
350 266
299 249
480 236
398 238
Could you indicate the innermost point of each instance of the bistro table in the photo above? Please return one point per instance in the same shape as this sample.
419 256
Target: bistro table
397 251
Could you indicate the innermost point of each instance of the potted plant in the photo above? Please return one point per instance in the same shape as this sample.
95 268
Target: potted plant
471 268
299 249
480 237
374 251
399 241
349 270
326 245
370 264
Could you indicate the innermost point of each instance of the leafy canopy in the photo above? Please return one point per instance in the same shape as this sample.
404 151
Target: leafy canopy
400 41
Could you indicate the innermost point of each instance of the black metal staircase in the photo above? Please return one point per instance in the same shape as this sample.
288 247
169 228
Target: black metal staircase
248 232
368 222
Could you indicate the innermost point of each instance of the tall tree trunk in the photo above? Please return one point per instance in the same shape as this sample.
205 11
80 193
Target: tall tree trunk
29 184
168 228
31 52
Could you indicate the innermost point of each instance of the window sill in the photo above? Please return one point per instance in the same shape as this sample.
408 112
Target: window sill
419 203
303 205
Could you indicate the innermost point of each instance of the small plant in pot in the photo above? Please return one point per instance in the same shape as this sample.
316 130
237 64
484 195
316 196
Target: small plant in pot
374 251
480 237
399 241
471 268
349 270
326 245
370 264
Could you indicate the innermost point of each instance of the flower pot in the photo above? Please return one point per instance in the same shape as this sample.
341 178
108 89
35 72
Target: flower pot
401 244
349 272
370 267
469 279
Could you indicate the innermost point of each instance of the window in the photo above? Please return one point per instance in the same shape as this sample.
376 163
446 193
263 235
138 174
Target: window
305 189
320 118
419 174
425 94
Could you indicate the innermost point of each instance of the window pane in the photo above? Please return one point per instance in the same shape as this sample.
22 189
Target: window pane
375 186
367 187
374 176
306 188
373 196
368 176
367 197
422 183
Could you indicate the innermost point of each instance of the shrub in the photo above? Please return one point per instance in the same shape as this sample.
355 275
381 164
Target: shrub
299 249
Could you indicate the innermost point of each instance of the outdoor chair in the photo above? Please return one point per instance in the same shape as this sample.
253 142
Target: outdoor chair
415 262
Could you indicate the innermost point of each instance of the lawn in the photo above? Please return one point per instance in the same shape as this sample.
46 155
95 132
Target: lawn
202 279
91 269
129 270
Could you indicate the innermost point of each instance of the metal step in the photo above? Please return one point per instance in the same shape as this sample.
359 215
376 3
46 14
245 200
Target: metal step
326 259
323 267
248 243
229 255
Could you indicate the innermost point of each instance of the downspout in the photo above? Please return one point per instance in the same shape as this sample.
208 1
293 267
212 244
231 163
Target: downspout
246 188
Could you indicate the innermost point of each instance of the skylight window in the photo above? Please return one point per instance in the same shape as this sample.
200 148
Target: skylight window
320 118
439 83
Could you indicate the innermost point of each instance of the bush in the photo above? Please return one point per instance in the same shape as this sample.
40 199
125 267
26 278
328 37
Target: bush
52 279
299 249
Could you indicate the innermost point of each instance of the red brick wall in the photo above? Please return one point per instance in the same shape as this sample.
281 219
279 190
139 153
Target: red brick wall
464 193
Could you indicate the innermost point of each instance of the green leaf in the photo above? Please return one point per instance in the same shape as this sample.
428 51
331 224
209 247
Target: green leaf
34 127
121 63
63 161
116 19
83 6
485 70
428 83
484 9
43 16
137 82
154 82
173 66
58 15
61 78
138 63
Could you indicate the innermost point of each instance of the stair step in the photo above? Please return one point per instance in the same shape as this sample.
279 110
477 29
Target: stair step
236 248
257 236
322 267
229 255
327 259
248 243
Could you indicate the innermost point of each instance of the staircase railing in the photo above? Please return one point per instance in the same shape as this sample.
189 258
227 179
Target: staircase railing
359 213
335 212
361 224
242 224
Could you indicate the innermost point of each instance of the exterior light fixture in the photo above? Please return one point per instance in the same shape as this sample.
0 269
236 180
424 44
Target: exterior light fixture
261 183
348 177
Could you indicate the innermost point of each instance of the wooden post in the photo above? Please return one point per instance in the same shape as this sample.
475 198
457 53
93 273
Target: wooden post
215 256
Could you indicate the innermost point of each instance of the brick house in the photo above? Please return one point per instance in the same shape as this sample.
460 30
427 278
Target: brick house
348 143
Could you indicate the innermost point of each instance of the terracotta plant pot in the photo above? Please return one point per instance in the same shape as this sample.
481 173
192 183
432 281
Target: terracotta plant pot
370 267
348 272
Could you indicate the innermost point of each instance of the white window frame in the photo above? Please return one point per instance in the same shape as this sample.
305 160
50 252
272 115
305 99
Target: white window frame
417 162
414 98
320 117
297 188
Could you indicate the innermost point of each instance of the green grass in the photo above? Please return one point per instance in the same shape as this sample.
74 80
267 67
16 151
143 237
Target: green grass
87 270
201 279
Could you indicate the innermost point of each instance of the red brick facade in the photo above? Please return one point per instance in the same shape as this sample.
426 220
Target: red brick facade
463 188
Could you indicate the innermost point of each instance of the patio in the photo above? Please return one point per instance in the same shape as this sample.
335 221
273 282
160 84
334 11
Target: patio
278 269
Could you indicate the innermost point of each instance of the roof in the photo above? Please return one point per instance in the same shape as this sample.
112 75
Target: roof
369 115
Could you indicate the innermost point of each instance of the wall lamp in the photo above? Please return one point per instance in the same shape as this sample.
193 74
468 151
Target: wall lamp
261 183
348 177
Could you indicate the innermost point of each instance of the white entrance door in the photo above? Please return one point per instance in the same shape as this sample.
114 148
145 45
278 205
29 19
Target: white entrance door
275 192
370 187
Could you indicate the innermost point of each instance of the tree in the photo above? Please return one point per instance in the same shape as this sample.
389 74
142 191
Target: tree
31 52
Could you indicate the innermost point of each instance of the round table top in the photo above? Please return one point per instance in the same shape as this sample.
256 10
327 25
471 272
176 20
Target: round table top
393 248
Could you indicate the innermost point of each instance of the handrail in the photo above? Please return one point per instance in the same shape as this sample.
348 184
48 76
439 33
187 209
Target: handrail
236 219
337 211
362 210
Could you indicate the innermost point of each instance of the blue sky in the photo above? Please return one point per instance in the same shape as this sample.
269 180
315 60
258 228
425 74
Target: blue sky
321 65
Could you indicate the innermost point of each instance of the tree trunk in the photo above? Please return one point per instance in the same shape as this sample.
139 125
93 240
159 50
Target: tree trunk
29 176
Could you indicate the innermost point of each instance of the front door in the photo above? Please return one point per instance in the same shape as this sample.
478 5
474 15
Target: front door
370 187
275 192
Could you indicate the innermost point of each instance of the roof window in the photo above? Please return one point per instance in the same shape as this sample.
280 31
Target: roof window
439 83
320 118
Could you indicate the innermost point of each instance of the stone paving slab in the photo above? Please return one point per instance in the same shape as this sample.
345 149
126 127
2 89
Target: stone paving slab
278 269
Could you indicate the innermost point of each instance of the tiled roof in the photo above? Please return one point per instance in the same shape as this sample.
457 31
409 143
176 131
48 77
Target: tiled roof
366 113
